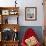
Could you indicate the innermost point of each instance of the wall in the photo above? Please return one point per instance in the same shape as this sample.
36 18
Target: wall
32 3
26 3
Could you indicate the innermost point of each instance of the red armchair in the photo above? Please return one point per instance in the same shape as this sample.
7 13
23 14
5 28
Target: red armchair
28 37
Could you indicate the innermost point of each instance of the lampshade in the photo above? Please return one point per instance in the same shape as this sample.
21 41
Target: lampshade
15 30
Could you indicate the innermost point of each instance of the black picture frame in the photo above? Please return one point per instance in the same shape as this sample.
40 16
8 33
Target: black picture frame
30 13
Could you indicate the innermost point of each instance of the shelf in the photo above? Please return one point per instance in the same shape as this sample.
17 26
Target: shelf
9 11
10 26
6 12
6 24
11 41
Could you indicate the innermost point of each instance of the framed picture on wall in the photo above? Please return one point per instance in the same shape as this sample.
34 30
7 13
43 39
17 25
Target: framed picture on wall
5 12
30 13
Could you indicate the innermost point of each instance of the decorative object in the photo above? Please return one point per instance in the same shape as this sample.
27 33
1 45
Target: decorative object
13 12
31 13
15 3
5 12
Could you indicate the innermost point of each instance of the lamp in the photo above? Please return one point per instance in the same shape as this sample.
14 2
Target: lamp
15 34
15 3
15 30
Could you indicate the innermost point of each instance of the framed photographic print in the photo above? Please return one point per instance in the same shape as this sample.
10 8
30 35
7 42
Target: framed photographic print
30 13
5 12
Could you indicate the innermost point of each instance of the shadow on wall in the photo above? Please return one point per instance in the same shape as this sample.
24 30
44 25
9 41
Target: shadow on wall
37 29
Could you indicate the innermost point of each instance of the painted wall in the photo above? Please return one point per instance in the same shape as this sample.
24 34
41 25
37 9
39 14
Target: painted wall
26 3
